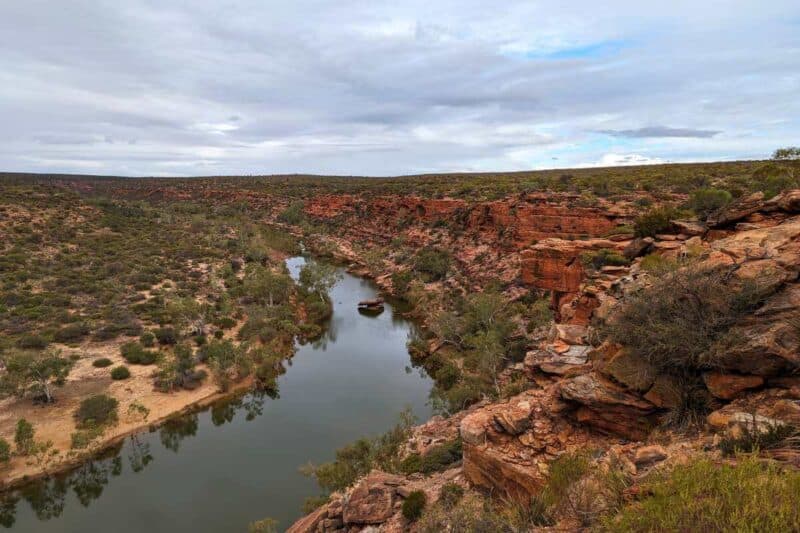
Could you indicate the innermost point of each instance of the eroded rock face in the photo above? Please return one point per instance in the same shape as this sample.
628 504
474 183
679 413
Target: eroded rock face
372 501
608 407
510 460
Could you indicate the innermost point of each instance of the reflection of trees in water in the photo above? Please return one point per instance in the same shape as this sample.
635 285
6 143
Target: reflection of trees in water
330 331
175 430
47 497
139 455
8 510
252 404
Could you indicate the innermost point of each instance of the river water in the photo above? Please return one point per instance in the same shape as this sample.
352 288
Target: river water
220 469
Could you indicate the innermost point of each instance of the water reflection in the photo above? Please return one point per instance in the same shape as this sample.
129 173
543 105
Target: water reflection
47 497
244 453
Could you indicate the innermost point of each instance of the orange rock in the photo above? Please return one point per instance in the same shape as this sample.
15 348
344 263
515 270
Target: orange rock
729 386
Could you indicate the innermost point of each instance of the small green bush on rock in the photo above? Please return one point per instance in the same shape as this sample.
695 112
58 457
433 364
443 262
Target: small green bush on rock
102 362
414 505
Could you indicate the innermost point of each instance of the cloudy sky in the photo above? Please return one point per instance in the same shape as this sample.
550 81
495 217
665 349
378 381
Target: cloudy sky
138 87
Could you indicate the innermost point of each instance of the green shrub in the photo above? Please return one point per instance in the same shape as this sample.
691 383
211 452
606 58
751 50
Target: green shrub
166 336
120 372
705 201
447 375
97 410
773 178
675 323
32 342
414 504
5 451
102 362
702 496
135 354
755 438
23 437
436 459
433 263
147 339
655 221
71 333
470 514
293 214
450 494
401 280
605 257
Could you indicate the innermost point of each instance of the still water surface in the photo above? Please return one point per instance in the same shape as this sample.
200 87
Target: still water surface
222 468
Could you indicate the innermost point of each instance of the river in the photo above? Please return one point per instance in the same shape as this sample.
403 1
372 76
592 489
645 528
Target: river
235 463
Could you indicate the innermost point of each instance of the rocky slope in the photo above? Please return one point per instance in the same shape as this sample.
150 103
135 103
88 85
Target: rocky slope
583 395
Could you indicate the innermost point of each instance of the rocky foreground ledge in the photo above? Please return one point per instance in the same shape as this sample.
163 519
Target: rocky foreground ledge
585 396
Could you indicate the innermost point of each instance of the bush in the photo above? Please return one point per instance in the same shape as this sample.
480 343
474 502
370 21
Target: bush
135 354
5 451
98 410
756 438
702 496
705 201
655 221
675 324
102 362
437 458
166 336
23 437
400 281
450 494
147 339
414 505
433 263
605 257
71 333
120 372
32 342
293 214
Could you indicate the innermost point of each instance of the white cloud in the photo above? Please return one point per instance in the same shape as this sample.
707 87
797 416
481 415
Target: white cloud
392 87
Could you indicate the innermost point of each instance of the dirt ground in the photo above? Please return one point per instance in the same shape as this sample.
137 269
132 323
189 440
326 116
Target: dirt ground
55 422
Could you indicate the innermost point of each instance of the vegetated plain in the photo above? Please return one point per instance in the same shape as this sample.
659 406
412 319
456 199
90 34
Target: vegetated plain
123 301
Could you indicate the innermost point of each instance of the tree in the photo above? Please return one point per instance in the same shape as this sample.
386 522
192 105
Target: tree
23 437
264 286
34 372
318 278
789 153
5 451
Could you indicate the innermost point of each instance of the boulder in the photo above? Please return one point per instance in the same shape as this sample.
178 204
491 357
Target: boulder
689 227
665 393
310 522
607 406
372 501
515 417
736 210
638 247
630 370
647 455
548 361
729 386
570 333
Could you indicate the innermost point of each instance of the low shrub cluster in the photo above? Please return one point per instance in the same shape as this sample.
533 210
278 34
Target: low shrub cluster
97 410
751 495
436 459
135 354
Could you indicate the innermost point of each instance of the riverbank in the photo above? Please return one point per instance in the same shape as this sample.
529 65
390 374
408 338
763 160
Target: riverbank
55 422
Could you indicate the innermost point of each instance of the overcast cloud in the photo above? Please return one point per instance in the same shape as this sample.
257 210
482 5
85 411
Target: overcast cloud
137 87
